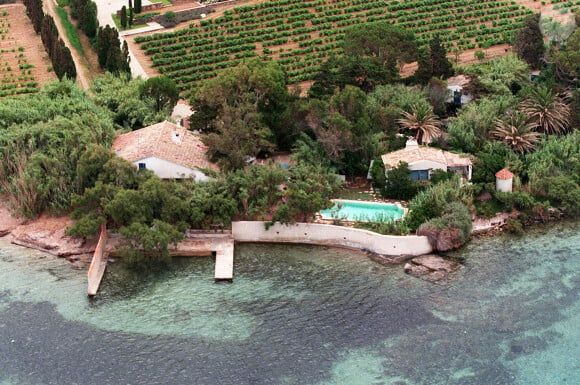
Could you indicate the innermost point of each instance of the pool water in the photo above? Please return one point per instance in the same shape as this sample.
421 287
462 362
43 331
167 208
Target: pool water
363 211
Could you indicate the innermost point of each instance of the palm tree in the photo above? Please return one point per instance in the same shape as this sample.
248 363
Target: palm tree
547 111
517 133
423 120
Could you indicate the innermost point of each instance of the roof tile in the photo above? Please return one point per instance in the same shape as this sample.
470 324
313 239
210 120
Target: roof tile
415 153
166 141
504 173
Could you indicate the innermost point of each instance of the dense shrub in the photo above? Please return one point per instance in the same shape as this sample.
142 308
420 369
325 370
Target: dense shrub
431 202
399 184
378 174
450 230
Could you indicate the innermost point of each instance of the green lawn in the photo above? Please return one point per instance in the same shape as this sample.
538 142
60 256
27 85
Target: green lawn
117 21
355 194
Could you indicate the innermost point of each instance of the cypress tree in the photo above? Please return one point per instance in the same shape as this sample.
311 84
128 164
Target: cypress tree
125 59
425 71
111 57
103 44
138 7
35 13
48 34
91 22
529 41
130 17
124 17
433 63
62 61
440 64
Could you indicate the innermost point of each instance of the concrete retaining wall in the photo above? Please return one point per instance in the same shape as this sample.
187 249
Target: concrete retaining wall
318 234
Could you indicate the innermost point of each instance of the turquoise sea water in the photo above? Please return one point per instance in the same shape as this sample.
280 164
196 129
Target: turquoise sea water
299 315
365 211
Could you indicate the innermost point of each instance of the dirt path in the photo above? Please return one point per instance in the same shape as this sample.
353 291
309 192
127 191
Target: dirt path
82 76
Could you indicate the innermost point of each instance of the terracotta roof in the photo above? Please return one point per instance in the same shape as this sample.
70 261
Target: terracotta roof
504 174
166 141
414 153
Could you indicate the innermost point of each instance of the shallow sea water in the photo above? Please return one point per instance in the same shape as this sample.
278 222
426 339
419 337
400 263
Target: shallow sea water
299 315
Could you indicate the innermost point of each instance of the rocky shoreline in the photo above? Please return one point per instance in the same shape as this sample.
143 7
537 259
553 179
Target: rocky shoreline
47 234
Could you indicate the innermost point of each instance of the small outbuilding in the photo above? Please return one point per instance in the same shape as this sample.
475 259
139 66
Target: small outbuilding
456 89
504 180
169 150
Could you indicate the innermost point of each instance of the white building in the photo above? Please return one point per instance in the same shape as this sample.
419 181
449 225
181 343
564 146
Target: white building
504 180
423 160
170 151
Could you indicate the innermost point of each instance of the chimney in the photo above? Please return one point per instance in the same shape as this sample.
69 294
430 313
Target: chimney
175 137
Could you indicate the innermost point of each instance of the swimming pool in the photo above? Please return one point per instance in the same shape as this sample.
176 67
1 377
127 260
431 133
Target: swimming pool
363 211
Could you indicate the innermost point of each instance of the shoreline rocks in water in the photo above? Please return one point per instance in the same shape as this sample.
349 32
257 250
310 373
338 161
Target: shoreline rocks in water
431 267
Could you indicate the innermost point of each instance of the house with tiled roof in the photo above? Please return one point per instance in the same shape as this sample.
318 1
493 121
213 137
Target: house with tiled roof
422 160
169 150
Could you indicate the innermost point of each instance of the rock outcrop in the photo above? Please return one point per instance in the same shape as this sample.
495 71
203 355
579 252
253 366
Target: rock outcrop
431 267
442 240
49 235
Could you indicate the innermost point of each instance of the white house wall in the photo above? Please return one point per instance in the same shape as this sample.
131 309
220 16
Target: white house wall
169 170
504 185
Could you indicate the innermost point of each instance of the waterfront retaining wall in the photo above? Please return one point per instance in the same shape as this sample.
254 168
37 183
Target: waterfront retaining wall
319 234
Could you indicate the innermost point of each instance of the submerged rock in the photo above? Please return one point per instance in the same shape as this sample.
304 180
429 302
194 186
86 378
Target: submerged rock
431 267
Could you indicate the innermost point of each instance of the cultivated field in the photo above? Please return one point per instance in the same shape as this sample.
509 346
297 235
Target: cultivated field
301 34
23 61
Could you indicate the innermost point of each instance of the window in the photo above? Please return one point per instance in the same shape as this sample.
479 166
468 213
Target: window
142 166
419 175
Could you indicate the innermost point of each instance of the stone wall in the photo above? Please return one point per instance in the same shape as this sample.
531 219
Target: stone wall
151 7
319 234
